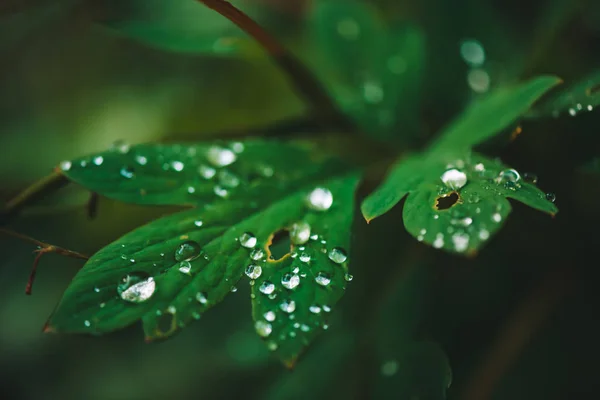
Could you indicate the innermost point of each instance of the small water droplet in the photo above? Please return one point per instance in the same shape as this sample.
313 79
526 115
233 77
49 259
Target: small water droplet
348 29
187 251
267 288
337 255
461 241
248 240
454 179
438 243
530 178
288 306
127 172
253 271
120 146
269 316
237 147
304 328
228 179
87 323
233 289
320 199
177 166
322 279
484 234
221 191
472 52
263 328
98 160
300 232
389 368
141 160
372 92
198 223
496 217
304 257
201 298
185 267
220 156
196 315
257 254
206 172
136 287
348 277
272 346
551 197
290 281
66 165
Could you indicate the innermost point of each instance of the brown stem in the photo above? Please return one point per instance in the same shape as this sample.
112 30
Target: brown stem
43 249
41 188
301 78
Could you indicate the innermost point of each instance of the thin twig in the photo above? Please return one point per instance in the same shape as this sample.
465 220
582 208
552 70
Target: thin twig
38 190
300 77
43 248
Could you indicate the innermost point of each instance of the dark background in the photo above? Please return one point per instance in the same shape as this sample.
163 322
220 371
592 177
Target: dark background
519 321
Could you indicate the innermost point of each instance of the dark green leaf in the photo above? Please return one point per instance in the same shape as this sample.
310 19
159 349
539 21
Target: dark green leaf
184 26
492 114
185 263
582 96
456 202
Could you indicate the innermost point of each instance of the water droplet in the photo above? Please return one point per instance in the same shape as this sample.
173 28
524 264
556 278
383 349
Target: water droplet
248 240
228 180
206 172
233 289
478 80
127 172
461 241
97 290
120 146
196 315
438 243
348 277
322 279
304 328
141 160
304 257
87 323
221 191
389 368
320 199
326 308
551 197
198 223
201 298
472 52
187 251
66 165
98 160
272 346
496 217
590 107
136 287
237 147
288 306
300 232
267 287
177 166
315 309
257 254
484 234
530 178
479 167
337 255
269 316
263 328
372 92
508 177
185 267
348 29
290 281
454 179
220 156
253 271
473 198
572 112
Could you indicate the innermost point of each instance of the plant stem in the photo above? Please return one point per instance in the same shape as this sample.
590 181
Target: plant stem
43 249
300 77
34 192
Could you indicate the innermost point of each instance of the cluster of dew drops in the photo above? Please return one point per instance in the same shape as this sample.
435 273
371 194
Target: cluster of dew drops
455 178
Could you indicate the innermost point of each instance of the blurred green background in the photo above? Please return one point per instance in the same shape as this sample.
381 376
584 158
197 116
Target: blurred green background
517 322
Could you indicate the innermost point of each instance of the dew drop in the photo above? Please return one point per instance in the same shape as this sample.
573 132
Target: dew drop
127 172
187 251
228 180
272 346
496 217
322 279
177 166
98 160
201 298
530 178
389 368
320 199
66 165
141 160
136 287
198 223
551 197
263 328
253 271
288 306
206 172
472 52
484 234
337 255
269 316
248 240
185 267
315 309
87 323
438 243
237 147
304 257
454 179
290 281
300 232
461 241
348 277
267 288
508 176
220 156
257 254
221 191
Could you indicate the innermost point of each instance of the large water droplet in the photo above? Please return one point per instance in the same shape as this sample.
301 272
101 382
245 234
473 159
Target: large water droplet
508 177
267 287
288 306
263 328
337 255
187 251
300 232
248 240
220 156
320 199
322 279
454 179
253 271
290 281
136 287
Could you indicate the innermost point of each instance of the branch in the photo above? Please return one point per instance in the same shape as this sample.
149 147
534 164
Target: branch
33 193
300 77
43 248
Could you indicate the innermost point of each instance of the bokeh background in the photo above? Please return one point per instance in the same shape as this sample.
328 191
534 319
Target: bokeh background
519 321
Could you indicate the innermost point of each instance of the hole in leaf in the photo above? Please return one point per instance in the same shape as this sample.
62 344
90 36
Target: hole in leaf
447 201
593 89
279 245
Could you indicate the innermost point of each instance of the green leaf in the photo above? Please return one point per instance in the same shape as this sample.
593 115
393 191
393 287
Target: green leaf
182 26
582 96
374 71
456 201
489 116
170 271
